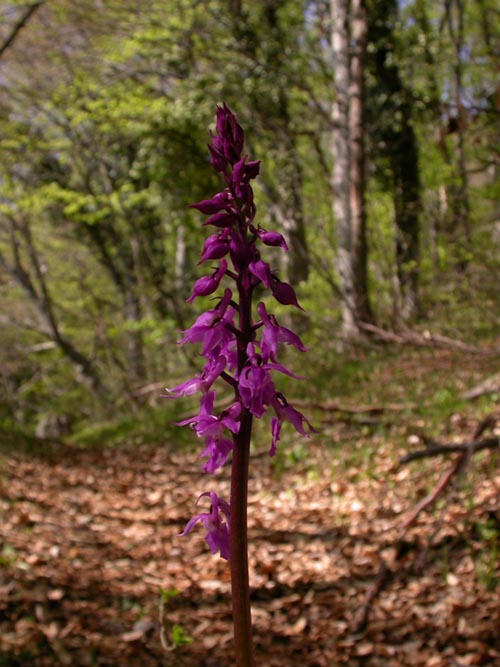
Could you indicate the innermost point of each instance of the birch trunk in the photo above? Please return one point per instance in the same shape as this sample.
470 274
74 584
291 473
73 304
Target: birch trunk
357 184
348 175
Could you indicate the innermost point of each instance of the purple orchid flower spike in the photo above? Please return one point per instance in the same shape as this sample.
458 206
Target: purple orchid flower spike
240 345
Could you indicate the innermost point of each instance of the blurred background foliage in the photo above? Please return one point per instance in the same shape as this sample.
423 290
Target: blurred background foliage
104 116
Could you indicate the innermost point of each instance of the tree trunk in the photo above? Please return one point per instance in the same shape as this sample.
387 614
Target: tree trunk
392 124
358 159
348 176
297 259
406 212
459 199
136 359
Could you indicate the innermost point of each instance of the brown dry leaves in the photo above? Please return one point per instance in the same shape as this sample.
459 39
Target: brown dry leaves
89 538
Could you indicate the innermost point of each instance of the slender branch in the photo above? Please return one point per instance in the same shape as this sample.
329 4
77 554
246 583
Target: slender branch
461 447
488 386
25 17
425 340
465 449
363 614
433 495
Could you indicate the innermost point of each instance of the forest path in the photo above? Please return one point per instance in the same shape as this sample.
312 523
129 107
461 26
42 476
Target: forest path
89 539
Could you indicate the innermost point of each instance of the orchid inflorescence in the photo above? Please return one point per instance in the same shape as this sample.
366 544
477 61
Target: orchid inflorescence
240 351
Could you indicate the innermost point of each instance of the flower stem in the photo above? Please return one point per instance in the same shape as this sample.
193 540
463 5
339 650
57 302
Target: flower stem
240 588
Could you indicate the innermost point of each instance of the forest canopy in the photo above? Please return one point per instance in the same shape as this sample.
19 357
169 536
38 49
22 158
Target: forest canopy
380 149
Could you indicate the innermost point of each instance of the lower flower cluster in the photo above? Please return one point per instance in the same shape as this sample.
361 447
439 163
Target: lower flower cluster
255 391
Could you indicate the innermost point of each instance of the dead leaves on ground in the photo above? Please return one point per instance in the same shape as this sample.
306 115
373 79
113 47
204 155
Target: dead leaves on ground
89 545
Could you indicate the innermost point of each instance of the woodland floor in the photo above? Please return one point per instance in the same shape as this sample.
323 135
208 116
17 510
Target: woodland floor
89 540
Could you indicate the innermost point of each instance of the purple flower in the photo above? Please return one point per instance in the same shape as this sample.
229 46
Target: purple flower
298 421
201 382
217 449
273 333
213 328
187 388
215 247
252 169
221 220
255 384
207 424
262 271
256 389
238 350
214 205
230 134
216 523
218 161
227 143
238 174
284 293
285 411
272 238
208 284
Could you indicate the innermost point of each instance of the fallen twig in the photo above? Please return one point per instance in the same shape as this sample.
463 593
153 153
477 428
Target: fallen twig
461 447
335 406
465 450
363 614
433 495
490 385
426 339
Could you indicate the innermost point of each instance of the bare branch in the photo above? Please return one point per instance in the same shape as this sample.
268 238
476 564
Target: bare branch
16 29
426 339
488 386
462 447
465 450
433 495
